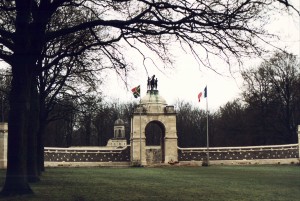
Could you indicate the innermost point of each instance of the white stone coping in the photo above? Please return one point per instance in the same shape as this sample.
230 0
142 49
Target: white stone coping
267 147
86 164
285 161
54 149
153 147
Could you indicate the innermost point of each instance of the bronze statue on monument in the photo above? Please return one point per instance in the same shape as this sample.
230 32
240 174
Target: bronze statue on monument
152 83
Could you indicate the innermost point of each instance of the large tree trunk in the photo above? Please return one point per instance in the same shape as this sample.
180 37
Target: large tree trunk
40 151
33 128
16 182
41 135
16 174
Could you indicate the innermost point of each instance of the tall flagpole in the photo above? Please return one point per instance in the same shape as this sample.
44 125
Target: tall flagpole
140 131
207 136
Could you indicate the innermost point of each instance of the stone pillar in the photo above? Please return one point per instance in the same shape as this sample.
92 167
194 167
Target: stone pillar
171 150
136 151
299 140
3 145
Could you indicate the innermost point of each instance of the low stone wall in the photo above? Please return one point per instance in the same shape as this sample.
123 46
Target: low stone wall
253 153
153 155
86 154
3 145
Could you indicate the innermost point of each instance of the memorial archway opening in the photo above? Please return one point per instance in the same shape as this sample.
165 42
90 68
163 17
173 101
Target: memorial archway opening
155 142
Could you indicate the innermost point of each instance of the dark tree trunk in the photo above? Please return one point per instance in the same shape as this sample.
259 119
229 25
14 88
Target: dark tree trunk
33 128
40 150
41 134
16 182
16 174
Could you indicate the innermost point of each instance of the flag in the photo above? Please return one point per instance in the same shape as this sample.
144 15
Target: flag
200 94
136 91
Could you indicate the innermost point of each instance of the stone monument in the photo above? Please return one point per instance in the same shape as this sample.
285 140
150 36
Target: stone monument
119 139
153 129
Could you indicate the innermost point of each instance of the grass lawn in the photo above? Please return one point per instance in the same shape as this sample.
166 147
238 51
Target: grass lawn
169 183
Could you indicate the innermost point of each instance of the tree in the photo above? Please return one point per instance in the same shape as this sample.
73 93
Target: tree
191 125
60 129
230 126
272 95
27 27
89 123
61 81
284 75
259 96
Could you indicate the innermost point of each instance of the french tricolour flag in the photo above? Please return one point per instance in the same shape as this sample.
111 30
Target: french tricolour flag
200 94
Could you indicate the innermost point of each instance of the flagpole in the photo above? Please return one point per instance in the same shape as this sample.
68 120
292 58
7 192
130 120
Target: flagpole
140 131
207 136
137 93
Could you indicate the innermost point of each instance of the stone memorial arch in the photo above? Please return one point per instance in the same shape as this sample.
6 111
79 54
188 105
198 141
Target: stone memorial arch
153 131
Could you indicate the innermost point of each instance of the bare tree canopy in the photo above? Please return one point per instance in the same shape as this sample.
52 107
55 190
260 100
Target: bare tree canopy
272 91
222 28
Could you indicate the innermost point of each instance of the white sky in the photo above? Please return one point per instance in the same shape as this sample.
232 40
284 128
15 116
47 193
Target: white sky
186 80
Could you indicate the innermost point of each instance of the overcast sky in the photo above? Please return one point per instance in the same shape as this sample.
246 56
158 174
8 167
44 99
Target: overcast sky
187 79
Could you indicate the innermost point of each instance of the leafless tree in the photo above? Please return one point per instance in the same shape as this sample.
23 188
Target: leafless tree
272 91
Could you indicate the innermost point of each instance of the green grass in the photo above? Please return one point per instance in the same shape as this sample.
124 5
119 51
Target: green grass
172 183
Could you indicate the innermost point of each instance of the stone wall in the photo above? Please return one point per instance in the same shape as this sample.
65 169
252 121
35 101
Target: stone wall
290 151
99 156
153 155
87 154
3 145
